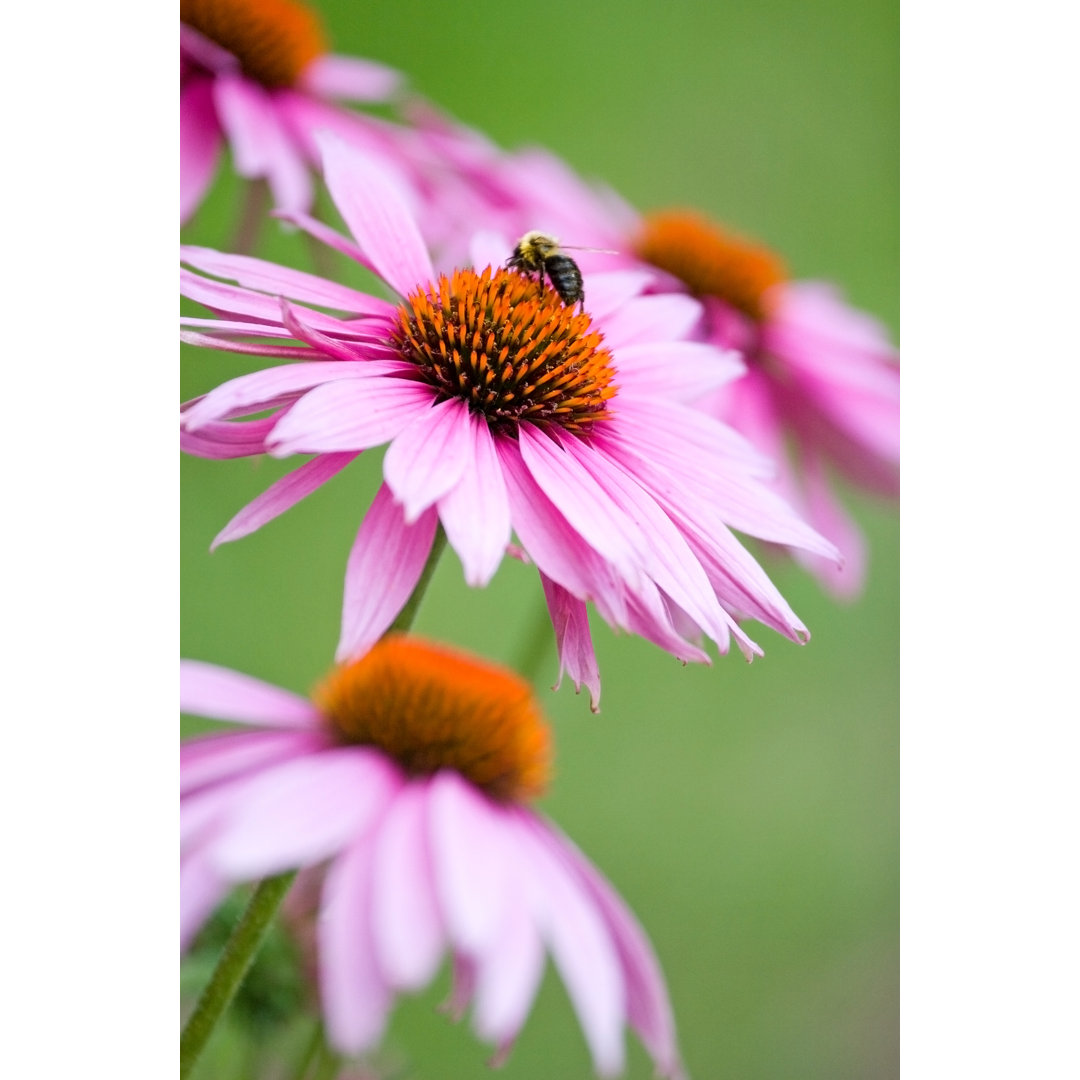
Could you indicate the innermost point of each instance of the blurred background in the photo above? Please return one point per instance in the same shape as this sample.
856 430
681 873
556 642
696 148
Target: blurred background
747 813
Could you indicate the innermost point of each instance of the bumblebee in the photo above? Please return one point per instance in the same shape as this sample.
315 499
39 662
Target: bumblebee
538 253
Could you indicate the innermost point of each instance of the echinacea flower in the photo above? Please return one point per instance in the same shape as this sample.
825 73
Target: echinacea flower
257 75
504 410
821 392
407 780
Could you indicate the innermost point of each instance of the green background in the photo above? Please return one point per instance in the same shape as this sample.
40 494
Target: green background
747 813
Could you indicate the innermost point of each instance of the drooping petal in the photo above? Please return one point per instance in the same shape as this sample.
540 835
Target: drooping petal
201 890
221 694
350 78
581 944
214 759
384 566
469 860
570 619
260 145
283 495
349 414
405 918
428 456
355 998
377 216
200 144
223 439
302 811
476 511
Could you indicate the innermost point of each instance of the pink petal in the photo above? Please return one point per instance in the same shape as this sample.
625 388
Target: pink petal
581 944
680 370
302 811
283 495
260 145
650 319
577 659
200 143
384 566
609 291
355 998
213 759
649 1008
469 859
224 439
222 694
276 280
251 393
405 918
377 216
428 456
349 415
201 890
350 78
476 511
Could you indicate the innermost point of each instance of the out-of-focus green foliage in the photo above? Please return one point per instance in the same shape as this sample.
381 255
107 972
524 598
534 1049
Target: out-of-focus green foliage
749 814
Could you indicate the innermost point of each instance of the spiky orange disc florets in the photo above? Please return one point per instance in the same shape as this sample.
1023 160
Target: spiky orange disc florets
710 260
274 40
431 708
509 348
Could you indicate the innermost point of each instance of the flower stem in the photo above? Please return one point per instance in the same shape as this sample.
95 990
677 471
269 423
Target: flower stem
250 930
231 968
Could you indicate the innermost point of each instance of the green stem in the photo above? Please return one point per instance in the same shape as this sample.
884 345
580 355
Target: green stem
231 968
250 930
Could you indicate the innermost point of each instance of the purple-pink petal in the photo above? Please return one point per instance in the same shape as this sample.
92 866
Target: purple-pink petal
224 439
428 456
570 620
476 512
349 78
302 811
221 694
201 890
378 216
384 566
200 144
651 319
283 495
214 759
405 918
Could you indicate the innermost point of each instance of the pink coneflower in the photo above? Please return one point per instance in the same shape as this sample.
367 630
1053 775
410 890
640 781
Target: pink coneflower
504 409
256 74
407 779
821 376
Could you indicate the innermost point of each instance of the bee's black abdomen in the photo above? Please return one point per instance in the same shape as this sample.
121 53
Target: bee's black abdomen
565 278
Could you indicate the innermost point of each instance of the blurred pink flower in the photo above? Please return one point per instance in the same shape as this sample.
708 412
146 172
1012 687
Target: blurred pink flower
503 409
406 781
822 386
256 74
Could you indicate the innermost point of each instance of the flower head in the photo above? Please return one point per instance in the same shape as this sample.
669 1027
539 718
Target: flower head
407 781
257 75
504 409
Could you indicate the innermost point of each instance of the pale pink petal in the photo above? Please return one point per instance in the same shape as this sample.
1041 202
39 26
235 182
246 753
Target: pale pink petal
277 280
202 812
650 319
213 759
252 393
200 143
333 239
204 52
582 501
405 919
508 975
351 414
377 216
653 617
649 1008
283 495
476 512
428 456
358 344
570 619
680 370
350 78
222 694
355 998
573 925
260 145
222 439
469 859
384 566
302 811
201 890
609 291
